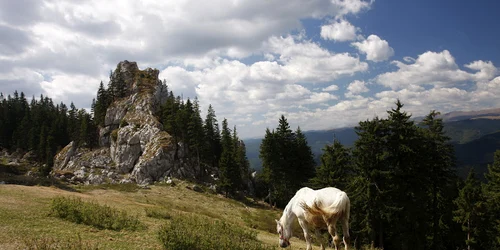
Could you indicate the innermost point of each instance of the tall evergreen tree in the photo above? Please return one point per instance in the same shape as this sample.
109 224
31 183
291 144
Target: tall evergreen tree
370 186
241 160
287 161
101 105
440 181
196 136
470 210
404 143
212 149
334 168
303 166
492 194
228 169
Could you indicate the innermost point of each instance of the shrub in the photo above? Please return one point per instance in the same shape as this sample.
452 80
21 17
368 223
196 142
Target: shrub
123 123
157 213
201 233
114 135
92 214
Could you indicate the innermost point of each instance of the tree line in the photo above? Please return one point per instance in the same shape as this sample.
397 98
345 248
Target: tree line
44 129
400 177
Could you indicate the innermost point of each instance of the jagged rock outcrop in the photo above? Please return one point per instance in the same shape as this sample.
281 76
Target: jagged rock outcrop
133 145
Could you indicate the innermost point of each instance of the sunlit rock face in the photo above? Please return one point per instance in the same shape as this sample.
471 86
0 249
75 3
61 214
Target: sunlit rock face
133 146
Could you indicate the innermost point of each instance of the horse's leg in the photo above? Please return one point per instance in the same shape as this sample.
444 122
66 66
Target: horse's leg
307 236
332 229
345 228
320 239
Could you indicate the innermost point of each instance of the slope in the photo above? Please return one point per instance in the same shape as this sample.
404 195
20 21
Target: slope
24 215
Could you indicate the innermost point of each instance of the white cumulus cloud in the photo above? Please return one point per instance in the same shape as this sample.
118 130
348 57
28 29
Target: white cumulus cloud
340 30
331 88
435 69
375 48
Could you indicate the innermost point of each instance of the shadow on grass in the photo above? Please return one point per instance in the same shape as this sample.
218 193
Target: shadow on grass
12 174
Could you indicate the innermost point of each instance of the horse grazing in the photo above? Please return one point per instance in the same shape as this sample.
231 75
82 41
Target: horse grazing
316 210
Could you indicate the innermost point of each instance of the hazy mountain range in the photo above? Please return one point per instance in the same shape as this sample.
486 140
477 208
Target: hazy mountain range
475 135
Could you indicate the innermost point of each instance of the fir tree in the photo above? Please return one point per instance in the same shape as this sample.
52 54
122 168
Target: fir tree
335 164
212 148
440 181
196 136
470 209
304 166
241 160
492 191
370 187
287 161
404 143
228 169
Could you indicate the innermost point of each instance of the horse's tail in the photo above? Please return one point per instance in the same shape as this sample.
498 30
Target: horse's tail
341 206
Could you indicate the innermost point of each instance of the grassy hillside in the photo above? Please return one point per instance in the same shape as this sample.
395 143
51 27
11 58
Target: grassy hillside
26 224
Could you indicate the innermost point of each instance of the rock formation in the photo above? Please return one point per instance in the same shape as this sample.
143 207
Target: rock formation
134 148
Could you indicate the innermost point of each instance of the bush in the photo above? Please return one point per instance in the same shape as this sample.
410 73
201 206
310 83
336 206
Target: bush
114 135
157 213
123 123
92 214
201 233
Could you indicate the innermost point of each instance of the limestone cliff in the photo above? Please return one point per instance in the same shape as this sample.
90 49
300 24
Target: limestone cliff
133 145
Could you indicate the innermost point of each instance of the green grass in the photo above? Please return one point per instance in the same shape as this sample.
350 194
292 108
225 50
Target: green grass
157 213
92 214
126 187
24 221
47 243
201 233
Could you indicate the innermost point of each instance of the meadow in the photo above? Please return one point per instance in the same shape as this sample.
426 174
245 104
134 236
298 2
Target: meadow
129 217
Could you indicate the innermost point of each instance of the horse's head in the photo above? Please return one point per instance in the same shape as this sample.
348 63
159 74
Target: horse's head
284 233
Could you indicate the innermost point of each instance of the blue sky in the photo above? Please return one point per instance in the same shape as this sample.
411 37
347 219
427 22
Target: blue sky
322 63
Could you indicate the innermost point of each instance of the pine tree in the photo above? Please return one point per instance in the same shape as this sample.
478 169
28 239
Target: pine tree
73 124
269 154
370 187
470 209
172 119
492 191
196 136
287 162
440 180
212 149
404 143
241 161
304 166
335 164
228 174
101 105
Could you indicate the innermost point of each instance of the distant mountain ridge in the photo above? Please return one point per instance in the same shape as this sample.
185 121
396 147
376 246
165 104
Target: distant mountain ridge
474 134
463 115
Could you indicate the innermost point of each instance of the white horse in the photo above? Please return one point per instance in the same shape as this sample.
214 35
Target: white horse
316 210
